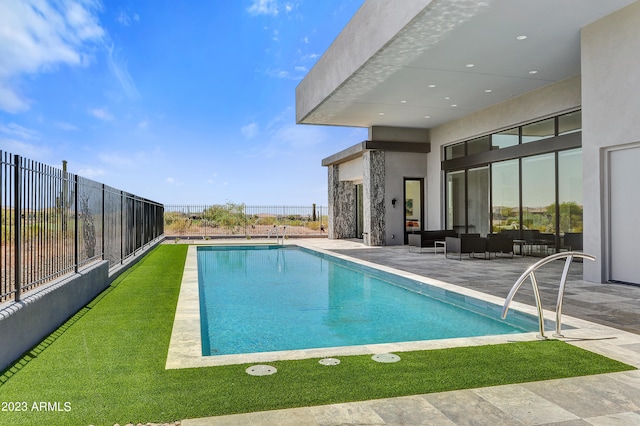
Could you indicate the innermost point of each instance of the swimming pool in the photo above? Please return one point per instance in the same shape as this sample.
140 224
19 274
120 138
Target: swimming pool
268 298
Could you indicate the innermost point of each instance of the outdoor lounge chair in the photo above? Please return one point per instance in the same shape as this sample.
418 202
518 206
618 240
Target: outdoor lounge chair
498 243
466 245
428 239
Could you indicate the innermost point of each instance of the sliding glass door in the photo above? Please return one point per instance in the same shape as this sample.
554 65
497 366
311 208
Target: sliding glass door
505 193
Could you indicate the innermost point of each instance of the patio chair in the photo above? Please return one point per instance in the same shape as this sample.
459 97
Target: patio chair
466 245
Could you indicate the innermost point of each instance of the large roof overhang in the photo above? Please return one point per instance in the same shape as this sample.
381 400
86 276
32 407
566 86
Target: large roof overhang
432 61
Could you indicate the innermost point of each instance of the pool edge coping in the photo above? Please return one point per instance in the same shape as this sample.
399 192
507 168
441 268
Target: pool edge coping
185 347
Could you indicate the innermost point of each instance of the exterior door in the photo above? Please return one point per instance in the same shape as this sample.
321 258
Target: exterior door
413 206
359 211
624 205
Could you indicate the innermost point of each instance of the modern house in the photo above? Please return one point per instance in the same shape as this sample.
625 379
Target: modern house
485 116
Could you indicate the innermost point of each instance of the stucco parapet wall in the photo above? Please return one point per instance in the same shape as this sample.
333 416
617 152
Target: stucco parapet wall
374 25
356 150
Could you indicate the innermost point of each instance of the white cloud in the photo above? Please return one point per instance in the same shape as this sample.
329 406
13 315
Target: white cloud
118 67
117 160
250 131
16 130
283 139
90 172
10 101
278 73
302 69
67 127
271 7
310 57
28 150
125 19
263 7
173 182
305 40
37 36
143 125
101 114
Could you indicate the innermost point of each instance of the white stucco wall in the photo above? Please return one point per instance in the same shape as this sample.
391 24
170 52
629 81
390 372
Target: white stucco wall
351 170
548 101
611 101
400 165
370 29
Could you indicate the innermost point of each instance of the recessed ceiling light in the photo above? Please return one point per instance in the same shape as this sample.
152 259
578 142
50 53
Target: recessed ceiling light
381 113
454 105
488 91
427 116
447 98
521 37
432 86
403 102
533 72
470 65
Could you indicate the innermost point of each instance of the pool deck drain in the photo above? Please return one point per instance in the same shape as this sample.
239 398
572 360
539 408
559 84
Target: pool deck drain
386 358
261 370
185 348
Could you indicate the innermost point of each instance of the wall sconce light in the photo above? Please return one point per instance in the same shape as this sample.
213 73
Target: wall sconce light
393 203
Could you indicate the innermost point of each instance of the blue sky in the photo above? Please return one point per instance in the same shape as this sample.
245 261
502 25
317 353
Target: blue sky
182 102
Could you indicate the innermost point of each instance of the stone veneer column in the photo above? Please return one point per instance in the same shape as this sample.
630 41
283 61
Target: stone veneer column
342 206
373 194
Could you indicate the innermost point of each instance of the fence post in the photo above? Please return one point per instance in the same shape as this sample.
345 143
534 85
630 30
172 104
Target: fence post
121 227
135 225
103 222
76 227
17 226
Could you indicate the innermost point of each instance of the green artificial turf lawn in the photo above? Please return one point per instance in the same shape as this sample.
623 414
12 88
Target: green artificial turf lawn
106 365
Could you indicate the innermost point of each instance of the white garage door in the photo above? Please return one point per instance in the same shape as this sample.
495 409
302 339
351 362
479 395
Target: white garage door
624 214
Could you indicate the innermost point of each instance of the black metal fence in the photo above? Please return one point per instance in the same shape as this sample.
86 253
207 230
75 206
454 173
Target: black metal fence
240 220
54 222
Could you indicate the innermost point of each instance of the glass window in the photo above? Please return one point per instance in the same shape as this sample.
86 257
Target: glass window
482 144
505 193
455 201
454 151
570 196
570 123
413 205
505 139
539 202
539 130
478 201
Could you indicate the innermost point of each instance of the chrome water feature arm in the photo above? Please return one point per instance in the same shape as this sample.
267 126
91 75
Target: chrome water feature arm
529 273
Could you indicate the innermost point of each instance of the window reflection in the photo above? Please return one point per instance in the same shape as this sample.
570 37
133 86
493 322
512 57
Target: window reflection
524 195
482 144
455 201
539 130
538 202
505 139
478 201
505 184
570 123
570 197
454 151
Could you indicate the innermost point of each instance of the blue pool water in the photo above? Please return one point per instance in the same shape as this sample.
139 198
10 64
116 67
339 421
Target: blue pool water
259 299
